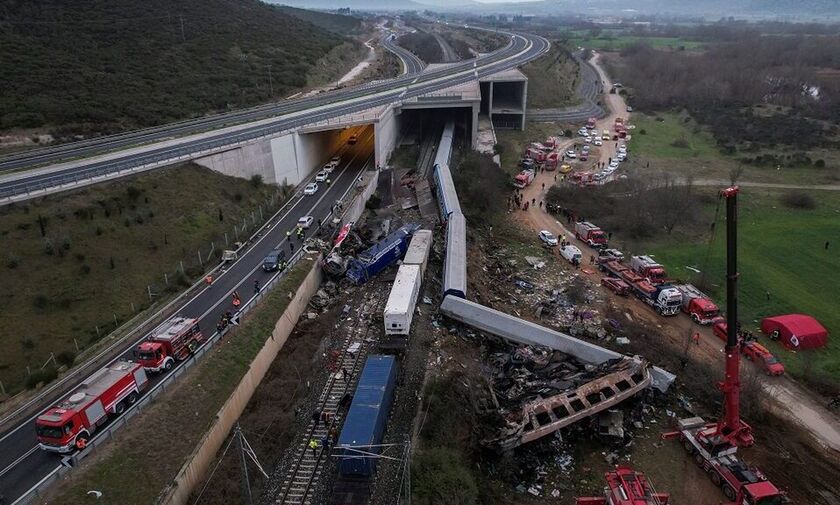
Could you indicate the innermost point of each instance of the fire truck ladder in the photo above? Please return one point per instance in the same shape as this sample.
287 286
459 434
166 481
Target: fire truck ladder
301 478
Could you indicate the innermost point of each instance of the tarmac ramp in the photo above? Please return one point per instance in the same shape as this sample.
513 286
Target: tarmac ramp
525 332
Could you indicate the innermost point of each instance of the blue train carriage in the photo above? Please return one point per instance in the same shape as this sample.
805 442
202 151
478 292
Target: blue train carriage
455 263
381 255
365 423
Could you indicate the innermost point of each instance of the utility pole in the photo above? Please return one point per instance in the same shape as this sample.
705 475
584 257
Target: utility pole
246 483
270 84
183 37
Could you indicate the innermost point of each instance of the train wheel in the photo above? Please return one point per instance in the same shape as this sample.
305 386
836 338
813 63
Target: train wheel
716 480
729 492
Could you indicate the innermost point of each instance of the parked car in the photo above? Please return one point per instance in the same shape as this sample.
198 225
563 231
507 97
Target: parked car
305 222
614 164
621 157
275 260
587 140
335 160
597 142
629 109
548 238
310 189
321 176
610 254
571 154
616 285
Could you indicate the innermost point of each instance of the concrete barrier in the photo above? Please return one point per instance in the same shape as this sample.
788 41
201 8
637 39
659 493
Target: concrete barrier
194 471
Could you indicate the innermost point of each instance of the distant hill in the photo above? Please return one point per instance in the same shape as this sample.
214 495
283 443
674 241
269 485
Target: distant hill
361 5
337 23
91 66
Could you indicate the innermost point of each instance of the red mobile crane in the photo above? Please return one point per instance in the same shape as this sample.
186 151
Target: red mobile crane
625 486
714 445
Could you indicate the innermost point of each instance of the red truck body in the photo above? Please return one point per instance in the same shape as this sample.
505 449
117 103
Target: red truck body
70 424
535 154
648 268
551 161
626 487
523 178
753 351
616 285
698 306
172 341
591 234
742 484
551 142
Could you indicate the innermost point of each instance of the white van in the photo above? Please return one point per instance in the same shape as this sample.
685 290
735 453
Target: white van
572 254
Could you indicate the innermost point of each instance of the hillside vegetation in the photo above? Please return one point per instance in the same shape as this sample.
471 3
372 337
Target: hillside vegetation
338 23
91 66
79 261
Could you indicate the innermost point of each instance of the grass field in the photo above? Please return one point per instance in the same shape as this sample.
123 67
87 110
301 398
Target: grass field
160 440
621 41
552 80
676 137
100 249
781 252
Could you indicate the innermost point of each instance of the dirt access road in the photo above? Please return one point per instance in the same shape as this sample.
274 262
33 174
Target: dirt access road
784 395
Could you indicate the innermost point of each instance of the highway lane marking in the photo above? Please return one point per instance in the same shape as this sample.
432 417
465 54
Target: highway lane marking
244 279
202 291
17 461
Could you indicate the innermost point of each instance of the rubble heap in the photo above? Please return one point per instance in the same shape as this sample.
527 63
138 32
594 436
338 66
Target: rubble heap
536 391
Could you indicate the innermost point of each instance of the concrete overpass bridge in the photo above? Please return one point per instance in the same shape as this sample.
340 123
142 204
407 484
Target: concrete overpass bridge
286 141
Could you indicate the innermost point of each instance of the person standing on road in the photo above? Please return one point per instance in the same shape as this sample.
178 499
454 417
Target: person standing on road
696 338
291 246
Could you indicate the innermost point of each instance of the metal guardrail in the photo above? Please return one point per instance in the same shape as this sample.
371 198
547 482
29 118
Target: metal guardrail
37 491
162 314
40 488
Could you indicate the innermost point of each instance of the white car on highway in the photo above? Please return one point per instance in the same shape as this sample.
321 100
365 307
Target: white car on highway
305 222
548 238
310 189
321 176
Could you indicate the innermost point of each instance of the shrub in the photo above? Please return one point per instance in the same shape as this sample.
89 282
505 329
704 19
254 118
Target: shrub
99 231
819 163
498 148
80 256
49 249
256 180
13 261
567 132
799 200
66 244
41 377
66 358
127 222
373 202
85 269
133 193
27 343
642 132
40 301
441 476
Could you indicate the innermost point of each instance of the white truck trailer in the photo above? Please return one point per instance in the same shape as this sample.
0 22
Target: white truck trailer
418 250
401 302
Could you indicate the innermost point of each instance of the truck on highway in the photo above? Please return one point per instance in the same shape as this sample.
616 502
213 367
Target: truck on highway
648 268
524 178
591 234
71 423
172 341
665 299
698 306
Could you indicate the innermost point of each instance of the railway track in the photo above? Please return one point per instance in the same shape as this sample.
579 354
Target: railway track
303 475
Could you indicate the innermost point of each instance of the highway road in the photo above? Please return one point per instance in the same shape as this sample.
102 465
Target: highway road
410 62
23 464
289 115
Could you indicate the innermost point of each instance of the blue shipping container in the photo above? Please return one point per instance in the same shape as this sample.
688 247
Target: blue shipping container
367 417
381 255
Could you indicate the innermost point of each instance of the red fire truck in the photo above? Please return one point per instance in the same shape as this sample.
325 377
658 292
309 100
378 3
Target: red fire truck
70 424
172 341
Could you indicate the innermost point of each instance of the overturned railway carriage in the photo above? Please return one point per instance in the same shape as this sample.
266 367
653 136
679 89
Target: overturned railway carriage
444 187
455 264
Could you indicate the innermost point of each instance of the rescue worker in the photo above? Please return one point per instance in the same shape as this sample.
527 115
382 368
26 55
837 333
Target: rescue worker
291 246
329 182
208 280
256 286
696 338
313 444
236 300
288 234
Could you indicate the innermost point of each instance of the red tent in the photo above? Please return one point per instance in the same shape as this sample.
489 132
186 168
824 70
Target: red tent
796 331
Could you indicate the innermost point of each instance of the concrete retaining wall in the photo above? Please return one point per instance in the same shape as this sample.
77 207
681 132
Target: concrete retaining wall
386 131
194 471
243 162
